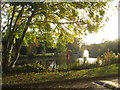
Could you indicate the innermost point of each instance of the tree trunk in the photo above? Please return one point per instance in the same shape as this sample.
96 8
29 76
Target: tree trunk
21 40
9 45
7 55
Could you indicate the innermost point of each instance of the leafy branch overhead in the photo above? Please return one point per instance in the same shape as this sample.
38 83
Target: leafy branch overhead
51 22
82 16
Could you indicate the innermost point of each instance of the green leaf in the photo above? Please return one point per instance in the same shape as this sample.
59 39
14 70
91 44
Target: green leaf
102 12
17 36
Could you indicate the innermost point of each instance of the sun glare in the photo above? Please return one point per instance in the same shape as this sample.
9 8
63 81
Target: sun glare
109 31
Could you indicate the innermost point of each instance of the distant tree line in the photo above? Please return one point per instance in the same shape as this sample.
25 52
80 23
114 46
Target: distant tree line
74 48
99 49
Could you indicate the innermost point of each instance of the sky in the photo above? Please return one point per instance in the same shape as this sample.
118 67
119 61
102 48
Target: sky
109 31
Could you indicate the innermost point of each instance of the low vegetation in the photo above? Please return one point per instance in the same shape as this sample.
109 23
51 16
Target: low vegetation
32 77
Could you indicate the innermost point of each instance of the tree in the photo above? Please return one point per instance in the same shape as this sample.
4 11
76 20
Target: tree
61 49
50 21
99 49
75 46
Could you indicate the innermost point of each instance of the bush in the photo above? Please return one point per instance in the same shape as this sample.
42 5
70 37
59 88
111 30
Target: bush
114 58
76 66
28 68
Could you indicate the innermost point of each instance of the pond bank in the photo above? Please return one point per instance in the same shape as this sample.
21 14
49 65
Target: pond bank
28 78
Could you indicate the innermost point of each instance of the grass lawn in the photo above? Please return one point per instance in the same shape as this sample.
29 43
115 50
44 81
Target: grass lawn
23 78
46 54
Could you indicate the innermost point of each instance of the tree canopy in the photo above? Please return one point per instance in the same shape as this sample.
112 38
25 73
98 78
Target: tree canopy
52 22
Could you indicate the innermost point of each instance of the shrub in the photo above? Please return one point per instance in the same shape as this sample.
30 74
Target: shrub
28 68
114 58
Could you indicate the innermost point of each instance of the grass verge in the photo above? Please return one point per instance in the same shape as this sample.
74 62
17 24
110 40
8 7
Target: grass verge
24 78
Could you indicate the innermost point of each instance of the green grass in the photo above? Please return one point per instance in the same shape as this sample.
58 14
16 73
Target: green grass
46 54
23 78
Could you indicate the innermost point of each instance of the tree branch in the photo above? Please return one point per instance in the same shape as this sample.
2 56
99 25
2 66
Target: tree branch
12 17
58 22
22 37
20 13
4 28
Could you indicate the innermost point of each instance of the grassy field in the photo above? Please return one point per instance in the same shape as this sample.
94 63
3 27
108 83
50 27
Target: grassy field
23 78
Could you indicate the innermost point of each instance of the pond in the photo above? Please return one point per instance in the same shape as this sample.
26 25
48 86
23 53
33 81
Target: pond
59 61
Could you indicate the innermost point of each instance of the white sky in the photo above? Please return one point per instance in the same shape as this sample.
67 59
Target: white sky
109 32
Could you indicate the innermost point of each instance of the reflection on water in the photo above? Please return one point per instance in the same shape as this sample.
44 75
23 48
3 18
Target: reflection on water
90 60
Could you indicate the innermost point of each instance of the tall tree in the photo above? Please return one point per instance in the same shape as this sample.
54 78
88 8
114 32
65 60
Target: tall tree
51 21
75 46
